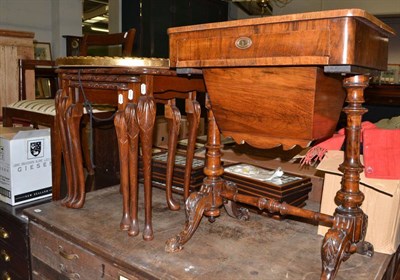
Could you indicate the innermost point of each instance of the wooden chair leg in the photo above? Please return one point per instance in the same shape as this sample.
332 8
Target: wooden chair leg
7 120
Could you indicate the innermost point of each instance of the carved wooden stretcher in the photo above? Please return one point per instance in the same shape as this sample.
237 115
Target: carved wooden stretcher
277 81
134 85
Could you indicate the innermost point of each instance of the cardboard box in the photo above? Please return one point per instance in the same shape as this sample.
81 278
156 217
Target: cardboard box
381 204
25 164
160 135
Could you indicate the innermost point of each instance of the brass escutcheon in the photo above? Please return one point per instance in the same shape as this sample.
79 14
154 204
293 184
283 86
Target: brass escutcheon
243 43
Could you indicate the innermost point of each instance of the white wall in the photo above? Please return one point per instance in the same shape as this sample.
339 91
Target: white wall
48 19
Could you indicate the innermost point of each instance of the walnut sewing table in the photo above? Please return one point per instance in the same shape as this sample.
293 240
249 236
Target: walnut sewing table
277 81
131 83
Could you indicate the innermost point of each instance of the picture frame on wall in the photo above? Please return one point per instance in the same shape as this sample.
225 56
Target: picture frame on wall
42 51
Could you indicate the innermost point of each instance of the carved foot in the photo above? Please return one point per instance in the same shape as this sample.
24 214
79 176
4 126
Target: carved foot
125 222
79 201
172 203
335 250
66 200
148 234
133 228
195 206
232 208
365 248
174 244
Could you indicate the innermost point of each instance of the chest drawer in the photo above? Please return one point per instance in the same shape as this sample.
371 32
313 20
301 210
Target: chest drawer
12 262
52 254
14 233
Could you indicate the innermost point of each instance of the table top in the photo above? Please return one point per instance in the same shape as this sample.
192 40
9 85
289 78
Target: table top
107 61
330 14
225 249
343 41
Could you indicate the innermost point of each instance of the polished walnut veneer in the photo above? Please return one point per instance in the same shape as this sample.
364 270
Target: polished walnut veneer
276 81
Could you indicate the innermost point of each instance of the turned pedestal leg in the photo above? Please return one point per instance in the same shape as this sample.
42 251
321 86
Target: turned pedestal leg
350 223
207 201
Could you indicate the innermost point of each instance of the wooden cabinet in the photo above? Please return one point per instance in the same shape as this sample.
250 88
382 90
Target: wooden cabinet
14 45
14 242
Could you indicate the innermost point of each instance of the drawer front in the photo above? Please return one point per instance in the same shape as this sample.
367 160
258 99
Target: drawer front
9 274
53 254
13 260
14 234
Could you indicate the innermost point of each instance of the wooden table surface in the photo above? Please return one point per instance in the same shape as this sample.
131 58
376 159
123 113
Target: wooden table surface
225 249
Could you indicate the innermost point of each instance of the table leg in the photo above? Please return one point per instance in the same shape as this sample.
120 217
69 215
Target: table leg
146 114
350 223
62 102
193 110
123 146
173 117
73 119
207 201
133 134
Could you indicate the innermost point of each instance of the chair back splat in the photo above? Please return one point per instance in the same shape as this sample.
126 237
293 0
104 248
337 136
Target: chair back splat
123 39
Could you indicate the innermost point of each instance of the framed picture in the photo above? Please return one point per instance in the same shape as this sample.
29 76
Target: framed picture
42 51
43 88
